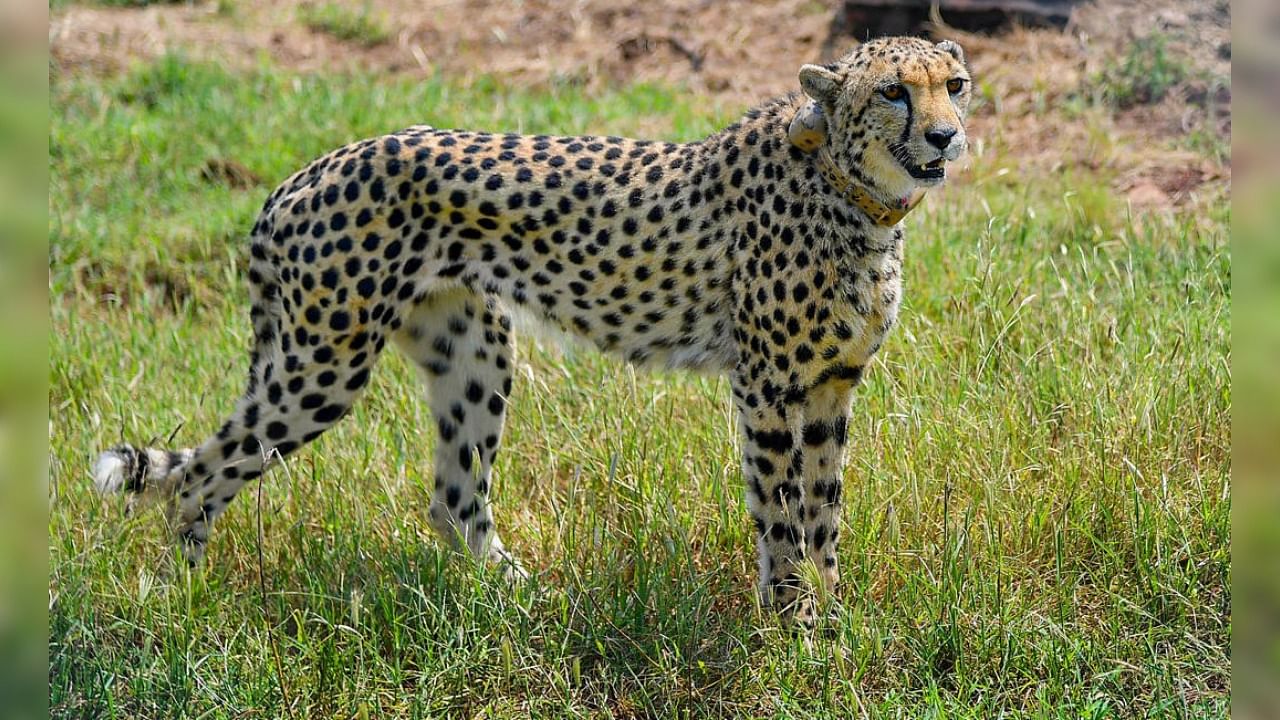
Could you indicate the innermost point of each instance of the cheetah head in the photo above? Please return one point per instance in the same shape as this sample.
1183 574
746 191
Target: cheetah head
894 109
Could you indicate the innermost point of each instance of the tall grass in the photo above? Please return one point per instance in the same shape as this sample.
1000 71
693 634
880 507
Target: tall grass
1037 503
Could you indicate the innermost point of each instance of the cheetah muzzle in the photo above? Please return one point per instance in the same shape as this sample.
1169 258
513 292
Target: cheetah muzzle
770 251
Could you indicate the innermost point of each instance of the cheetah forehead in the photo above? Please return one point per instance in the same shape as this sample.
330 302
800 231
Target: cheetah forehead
922 73
912 60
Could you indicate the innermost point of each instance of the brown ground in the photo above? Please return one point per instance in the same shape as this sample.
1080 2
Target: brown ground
738 52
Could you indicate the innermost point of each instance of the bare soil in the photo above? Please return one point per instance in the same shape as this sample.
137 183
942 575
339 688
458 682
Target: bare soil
1036 81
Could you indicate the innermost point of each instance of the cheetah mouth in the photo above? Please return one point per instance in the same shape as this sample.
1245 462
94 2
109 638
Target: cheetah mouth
935 170
932 170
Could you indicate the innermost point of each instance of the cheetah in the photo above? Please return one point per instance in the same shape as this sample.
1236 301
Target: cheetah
771 252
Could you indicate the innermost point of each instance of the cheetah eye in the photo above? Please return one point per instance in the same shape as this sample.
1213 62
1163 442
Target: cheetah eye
955 85
893 92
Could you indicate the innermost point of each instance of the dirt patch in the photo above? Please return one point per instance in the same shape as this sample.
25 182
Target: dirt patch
1169 182
711 45
1041 87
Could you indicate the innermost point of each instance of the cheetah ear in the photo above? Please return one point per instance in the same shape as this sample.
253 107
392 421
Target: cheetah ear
820 83
808 129
953 49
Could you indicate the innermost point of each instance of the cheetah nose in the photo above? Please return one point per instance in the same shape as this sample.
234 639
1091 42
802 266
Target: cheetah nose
940 137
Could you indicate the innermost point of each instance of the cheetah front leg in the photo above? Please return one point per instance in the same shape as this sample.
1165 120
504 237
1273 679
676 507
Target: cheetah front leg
771 468
822 442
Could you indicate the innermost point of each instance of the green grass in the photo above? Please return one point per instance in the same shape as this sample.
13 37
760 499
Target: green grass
1037 517
360 26
1145 74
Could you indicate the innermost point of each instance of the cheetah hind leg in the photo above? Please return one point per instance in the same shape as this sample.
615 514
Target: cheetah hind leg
463 345
287 405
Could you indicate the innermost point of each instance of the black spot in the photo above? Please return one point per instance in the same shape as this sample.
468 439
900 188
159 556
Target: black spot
447 430
819 537
777 441
787 494
358 380
329 413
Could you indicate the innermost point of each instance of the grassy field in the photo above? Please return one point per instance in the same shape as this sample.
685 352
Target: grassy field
1037 503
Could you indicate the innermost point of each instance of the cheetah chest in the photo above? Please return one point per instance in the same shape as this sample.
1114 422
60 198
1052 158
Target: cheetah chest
867 297
871 311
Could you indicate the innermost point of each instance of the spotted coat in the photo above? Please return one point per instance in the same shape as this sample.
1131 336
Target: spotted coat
731 255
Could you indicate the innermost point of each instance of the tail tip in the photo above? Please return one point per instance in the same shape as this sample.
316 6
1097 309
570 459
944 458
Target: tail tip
109 472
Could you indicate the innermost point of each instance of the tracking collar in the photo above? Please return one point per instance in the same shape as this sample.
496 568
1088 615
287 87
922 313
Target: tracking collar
808 131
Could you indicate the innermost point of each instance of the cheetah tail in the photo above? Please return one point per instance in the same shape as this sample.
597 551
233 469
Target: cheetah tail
139 471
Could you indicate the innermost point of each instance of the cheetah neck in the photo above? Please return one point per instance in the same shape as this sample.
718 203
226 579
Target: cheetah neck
808 132
879 213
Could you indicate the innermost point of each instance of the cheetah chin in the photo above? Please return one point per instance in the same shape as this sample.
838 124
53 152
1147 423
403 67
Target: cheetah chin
770 252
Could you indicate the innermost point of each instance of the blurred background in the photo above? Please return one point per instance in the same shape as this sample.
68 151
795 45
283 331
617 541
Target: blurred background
1137 91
